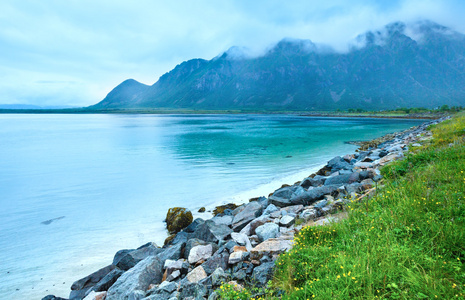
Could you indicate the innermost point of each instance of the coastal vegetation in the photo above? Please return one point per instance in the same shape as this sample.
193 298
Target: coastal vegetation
406 242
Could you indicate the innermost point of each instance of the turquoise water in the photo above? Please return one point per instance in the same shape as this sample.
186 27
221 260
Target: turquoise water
109 179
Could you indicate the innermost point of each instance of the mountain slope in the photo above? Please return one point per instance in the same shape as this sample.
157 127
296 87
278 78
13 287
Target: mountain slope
420 65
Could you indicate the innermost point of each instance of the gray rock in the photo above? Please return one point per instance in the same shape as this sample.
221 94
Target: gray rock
120 254
211 232
172 252
172 265
354 188
196 274
81 287
270 248
214 296
338 163
287 220
132 258
219 276
320 204
173 275
241 239
270 209
249 229
263 273
314 182
180 238
309 214
193 226
239 275
267 231
293 209
225 220
200 252
251 211
315 194
192 289
343 179
218 260
106 282
237 257
191 243
138 278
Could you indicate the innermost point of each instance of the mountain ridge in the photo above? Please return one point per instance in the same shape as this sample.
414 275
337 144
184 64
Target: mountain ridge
420 65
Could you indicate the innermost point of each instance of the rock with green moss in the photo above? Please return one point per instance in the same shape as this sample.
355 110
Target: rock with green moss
177 219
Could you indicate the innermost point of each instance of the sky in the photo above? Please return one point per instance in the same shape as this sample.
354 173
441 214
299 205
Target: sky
74 52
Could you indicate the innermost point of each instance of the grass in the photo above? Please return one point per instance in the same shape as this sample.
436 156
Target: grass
406 242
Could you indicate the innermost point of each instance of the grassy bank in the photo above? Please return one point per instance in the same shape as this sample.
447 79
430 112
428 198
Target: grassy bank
406 242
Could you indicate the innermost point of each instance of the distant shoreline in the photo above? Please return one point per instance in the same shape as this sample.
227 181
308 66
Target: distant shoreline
373 115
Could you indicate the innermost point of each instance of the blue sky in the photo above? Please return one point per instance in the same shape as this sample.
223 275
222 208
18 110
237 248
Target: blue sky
74 52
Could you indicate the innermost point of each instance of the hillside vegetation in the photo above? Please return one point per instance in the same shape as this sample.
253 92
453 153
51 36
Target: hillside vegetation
406 242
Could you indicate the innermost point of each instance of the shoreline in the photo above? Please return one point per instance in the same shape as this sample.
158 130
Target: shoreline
374 115
184 282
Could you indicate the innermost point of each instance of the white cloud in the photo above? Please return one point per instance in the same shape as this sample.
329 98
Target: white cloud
74 52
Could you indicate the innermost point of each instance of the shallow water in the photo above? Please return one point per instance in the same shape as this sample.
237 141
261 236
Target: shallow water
74 189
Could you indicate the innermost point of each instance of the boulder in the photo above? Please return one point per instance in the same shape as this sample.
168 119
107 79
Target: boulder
250 212
270 247
137 279
177 219
80 288
120 254
193 226
242 240
200 252
312 195
314 182
282 196
194 290
191 244
196 274
133 257
287 221
219 276
294 209
270 209
218 260
309 214
201 210
338 163
237 257
249 229
267 231
180 237
225 220
263 273
343 179
106 282
212 232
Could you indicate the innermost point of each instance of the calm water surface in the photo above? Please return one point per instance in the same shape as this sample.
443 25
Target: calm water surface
113 177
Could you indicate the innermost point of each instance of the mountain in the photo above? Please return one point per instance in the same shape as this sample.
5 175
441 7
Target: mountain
415 65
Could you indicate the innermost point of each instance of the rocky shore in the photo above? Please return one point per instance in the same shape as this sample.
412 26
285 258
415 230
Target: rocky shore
240 244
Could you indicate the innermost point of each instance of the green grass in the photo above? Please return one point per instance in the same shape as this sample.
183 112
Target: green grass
407 242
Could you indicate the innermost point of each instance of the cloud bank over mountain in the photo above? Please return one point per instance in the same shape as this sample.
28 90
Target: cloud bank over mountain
73 53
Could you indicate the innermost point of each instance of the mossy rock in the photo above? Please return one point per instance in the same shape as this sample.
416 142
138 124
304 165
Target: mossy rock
202 209
220 209
177 219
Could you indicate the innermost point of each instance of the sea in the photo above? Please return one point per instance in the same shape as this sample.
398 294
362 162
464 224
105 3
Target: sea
76 188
